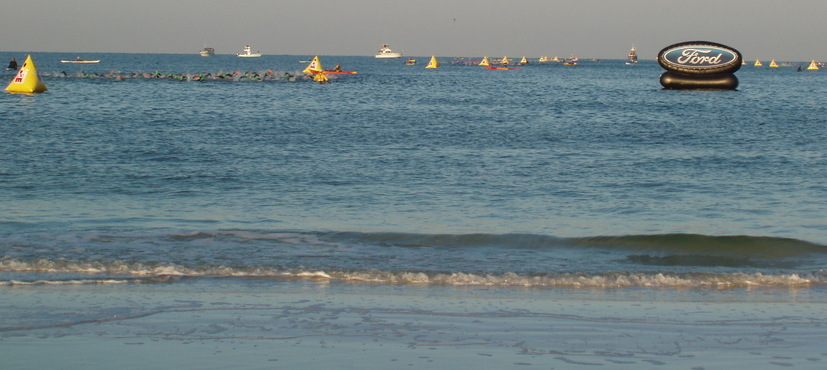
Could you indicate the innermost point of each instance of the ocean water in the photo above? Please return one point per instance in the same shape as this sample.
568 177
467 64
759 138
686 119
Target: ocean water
589 180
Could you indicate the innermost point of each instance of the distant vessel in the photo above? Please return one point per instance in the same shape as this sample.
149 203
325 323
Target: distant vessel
207 52
248 53
386 52
410 61
78 60
632 57
433 63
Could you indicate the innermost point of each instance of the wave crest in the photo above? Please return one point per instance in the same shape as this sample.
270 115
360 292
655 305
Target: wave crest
172 273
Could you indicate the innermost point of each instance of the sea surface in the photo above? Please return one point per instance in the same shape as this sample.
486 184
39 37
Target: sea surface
165 170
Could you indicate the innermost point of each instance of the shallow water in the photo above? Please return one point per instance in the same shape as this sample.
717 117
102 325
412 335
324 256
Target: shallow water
399 168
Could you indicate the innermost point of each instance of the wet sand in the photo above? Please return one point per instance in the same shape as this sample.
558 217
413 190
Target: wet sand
223 323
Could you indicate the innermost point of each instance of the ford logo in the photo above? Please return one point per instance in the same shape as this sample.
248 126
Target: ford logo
699 58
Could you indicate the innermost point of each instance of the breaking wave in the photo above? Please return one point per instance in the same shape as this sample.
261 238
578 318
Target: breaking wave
126 273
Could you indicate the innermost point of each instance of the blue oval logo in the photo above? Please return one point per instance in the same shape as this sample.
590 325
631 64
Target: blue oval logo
700 57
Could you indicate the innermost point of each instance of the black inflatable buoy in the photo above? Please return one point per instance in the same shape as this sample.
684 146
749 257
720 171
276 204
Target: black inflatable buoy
680 81
699 65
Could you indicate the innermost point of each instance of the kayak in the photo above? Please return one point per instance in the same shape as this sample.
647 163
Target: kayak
338 72
504 68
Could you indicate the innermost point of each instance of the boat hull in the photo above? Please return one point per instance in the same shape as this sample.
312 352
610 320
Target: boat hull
389 56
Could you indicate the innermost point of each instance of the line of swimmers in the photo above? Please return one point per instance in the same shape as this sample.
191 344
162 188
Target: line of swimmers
268 75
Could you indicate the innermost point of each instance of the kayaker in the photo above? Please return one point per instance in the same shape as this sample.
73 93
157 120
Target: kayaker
337 68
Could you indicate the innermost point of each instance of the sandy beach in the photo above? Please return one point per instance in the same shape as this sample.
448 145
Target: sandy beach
288 324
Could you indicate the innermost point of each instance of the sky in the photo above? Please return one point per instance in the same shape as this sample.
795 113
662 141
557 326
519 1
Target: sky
606 29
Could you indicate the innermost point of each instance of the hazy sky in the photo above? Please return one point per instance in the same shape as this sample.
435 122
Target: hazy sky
765 29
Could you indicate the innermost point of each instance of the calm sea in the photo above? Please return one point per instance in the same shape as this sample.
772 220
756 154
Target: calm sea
550 176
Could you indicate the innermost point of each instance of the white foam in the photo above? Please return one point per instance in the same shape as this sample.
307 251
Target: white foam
508 279
64 282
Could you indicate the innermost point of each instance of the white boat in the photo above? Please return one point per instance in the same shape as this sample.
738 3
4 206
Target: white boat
207 52
248 54
632 57
78 60
386 52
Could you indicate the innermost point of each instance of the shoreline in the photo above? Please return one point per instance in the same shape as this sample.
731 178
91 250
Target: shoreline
245 323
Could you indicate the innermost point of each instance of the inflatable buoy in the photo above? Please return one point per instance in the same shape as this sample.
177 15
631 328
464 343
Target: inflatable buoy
321 77
26 79
433 63
699 65
680 81
315 66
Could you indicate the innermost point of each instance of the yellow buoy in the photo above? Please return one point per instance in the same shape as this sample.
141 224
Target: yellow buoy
26 80
813 66
315 66
320 77
433 63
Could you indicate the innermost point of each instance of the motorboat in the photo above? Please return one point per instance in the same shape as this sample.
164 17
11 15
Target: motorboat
207 52
631 59
386 52
248 53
